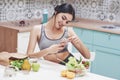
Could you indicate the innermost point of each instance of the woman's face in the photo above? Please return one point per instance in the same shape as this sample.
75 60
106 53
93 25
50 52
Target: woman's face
61 19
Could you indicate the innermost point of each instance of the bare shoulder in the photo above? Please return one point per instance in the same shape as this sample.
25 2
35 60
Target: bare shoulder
36 28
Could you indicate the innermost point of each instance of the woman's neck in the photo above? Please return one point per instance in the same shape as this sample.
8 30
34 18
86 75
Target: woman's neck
51 25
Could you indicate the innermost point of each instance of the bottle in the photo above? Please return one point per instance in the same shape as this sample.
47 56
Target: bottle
45 16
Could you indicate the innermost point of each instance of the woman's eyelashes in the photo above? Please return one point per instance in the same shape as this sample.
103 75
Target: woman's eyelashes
65 18
67 22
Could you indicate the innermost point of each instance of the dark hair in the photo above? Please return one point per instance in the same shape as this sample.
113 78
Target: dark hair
65 8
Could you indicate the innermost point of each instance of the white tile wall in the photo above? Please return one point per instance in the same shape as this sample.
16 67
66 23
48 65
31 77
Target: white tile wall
28 9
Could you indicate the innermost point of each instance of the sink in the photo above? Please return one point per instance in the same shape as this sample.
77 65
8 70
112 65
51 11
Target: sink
112 27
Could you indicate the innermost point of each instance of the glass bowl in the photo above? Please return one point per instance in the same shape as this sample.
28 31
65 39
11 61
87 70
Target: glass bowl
79 72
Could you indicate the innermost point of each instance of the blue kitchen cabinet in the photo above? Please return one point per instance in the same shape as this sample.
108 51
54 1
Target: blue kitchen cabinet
107 59
86 36
107 62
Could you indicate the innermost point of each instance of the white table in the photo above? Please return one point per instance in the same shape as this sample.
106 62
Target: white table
49 71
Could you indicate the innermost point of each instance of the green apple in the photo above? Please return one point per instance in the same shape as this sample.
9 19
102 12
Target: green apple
35 67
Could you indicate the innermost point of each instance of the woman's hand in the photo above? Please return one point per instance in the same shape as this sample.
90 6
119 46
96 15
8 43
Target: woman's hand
64 42
55 48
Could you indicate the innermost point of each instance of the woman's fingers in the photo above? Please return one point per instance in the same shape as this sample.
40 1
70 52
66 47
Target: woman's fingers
74 39
64 42
70 39
56 48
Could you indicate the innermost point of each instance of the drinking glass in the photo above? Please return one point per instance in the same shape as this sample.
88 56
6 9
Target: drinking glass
9 71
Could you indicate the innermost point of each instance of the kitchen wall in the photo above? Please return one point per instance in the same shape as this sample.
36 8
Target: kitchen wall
108 10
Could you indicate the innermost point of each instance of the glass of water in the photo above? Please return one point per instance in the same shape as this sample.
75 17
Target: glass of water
9 71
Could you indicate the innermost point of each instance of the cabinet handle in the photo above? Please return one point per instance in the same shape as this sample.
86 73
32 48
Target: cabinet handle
109 36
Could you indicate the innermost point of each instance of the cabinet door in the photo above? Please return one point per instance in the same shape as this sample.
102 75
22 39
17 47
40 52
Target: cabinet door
107 62
8 39
107 40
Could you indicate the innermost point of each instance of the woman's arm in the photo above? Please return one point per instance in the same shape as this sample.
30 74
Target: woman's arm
78 43
34 36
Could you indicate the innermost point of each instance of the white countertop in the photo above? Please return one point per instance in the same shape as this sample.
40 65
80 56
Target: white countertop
49 71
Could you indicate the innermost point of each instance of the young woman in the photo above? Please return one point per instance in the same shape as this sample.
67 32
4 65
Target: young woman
52 37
